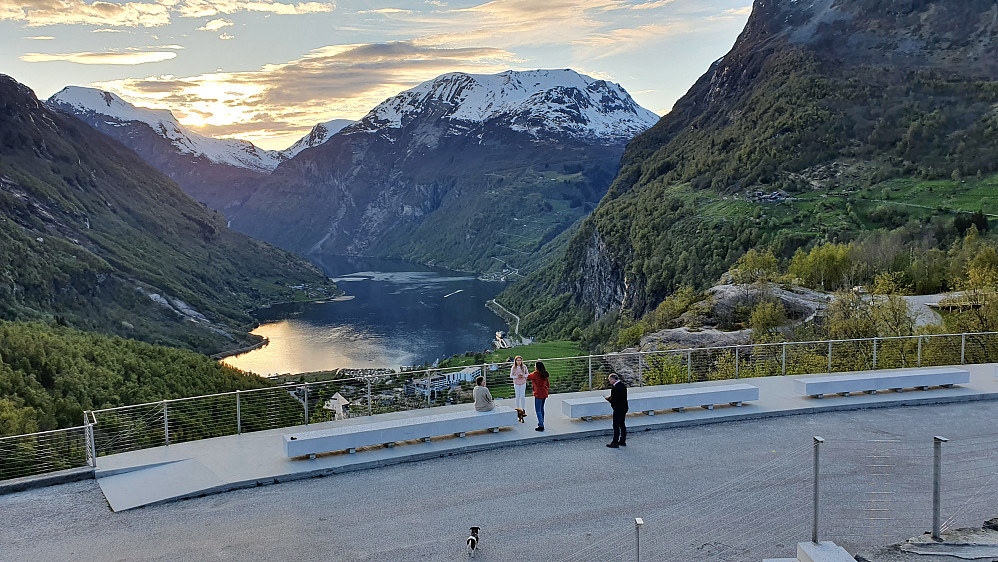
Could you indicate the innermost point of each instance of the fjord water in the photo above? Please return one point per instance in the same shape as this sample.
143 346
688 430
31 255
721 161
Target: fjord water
393 314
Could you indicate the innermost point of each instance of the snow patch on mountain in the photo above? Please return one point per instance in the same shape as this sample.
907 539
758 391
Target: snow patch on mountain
536 101
318 135
234 152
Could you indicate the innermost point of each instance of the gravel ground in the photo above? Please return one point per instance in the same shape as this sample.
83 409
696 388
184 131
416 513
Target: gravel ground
731 491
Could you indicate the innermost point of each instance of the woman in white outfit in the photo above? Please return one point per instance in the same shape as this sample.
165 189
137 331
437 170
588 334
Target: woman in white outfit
519 374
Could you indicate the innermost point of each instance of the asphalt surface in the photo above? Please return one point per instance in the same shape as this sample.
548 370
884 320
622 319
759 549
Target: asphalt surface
729 491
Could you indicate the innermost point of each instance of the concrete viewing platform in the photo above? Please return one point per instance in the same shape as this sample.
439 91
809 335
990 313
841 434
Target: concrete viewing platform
196 468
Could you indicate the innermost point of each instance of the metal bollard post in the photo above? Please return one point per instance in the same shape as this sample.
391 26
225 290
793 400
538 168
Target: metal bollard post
814 528
937 468
737 362
306 403
689 366
239 415
370 409
919 351
166 423
963 349
638 522
641 377
784 358
829 357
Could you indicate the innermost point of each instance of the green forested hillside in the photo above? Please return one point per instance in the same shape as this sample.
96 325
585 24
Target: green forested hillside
794 138
92 236
50 374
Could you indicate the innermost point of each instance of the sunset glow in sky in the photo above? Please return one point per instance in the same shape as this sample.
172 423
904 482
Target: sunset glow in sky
268 70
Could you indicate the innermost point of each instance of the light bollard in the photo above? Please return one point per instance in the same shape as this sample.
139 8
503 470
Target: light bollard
814 527
937 468
638 522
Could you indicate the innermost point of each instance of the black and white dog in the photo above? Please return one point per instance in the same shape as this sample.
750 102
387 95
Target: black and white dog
473 542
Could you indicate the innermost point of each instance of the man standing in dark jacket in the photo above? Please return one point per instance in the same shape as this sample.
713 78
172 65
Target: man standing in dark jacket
618 401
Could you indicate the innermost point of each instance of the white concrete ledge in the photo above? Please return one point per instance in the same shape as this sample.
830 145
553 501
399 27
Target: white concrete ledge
824 551
650 401
872 381
350 437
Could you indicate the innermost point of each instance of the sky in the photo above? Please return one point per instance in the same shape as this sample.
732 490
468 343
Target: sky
268 70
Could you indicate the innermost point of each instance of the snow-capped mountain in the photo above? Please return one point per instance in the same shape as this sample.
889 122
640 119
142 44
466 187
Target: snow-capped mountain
92 104
538 102
465 171
318 135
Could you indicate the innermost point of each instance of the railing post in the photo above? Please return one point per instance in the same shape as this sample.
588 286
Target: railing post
306 403
874 353
89 436
590 373
963 348
689 365
814 528
370 409
641 377
166 423
937 467
737 362
784 358
919 351
638 522
829 356
239 415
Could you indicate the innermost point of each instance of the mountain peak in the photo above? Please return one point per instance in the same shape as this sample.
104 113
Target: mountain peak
91 103
538 102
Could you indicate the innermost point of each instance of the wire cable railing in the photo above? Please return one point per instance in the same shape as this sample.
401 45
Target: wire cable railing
129 428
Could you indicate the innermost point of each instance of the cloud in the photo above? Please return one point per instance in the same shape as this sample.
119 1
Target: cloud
52 12
651 5
625 39
215 25
41 37
386 11
226 37
337 81
154 13
115 58
738 12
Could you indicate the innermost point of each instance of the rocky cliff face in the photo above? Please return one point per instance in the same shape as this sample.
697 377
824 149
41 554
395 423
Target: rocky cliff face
889 88
468 171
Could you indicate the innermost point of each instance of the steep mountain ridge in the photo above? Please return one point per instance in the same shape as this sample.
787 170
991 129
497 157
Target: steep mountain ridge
212 170
110 111
96 238
319 134
469 171
814 97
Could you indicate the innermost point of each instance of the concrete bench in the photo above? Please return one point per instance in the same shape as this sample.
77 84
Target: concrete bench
872 381
350 437
675 399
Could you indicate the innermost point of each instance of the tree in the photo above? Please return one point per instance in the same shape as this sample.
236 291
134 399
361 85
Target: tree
766 317
890 310
754 266
850 316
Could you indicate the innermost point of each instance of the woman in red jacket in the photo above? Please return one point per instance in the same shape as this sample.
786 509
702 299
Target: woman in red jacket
539 378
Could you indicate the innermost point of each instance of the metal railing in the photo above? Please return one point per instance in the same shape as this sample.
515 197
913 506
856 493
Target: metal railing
128 428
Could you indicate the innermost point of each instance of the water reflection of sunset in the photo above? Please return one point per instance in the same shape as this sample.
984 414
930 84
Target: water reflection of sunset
300 347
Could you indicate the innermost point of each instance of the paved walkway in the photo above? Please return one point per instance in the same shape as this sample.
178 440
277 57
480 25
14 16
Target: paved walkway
161 474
